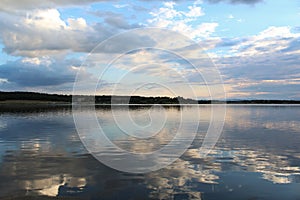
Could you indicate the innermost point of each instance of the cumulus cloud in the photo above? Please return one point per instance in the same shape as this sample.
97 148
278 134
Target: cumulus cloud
41 32
182 21
44 32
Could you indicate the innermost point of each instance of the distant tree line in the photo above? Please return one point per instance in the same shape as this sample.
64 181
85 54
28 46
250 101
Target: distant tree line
106 99
33 96
262 101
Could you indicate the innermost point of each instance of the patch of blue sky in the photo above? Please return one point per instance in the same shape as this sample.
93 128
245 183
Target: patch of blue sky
5 58
246 20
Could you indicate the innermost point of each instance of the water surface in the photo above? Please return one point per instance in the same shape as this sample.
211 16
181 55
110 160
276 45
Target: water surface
256 157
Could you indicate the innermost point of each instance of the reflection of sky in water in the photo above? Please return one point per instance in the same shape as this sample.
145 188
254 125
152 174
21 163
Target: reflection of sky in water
257 156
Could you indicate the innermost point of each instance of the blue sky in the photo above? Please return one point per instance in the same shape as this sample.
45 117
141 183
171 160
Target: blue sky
254 44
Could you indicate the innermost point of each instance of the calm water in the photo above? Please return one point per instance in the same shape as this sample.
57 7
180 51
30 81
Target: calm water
256 157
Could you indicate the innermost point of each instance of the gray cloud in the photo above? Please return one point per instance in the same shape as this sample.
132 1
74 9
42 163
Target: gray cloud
115 19
26 74
263 67
120 22
125 43
271 91
228 42
294 45
14 5
51 35
271 75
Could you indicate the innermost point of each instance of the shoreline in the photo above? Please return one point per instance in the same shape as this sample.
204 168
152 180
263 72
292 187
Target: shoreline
33 98
64 103
32 102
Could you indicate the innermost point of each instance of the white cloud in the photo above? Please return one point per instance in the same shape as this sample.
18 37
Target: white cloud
44 19
272 39
77 24
273 31
45 61
185 22
40 32
43 32
265 65
3 80
121 5
230 16
195 11
204 30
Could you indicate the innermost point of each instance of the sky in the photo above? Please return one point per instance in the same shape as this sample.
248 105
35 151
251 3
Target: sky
238 49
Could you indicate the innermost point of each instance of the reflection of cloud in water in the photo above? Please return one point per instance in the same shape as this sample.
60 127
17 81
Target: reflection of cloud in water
133 144
50 186
36 145
3 124
273 168
263 116
242 123
40 172
45 186
283 125
262 139
176 179
50 162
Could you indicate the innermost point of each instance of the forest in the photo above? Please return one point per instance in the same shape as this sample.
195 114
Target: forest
107 99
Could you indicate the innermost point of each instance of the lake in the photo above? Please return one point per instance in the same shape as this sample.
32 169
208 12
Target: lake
256 157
